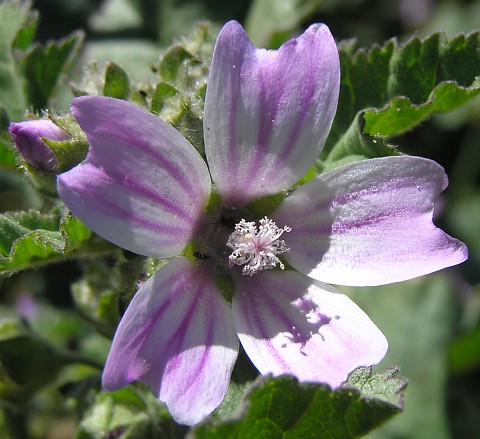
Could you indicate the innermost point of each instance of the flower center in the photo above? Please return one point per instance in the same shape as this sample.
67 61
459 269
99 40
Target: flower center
257 248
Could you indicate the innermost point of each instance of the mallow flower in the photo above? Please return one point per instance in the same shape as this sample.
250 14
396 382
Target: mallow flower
144 187
28 135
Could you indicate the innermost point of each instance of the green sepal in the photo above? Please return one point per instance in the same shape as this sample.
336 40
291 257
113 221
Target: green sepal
172 60
117 82
69 153
163 96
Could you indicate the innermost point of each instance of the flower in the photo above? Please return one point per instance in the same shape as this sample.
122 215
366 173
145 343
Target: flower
28 136
146 189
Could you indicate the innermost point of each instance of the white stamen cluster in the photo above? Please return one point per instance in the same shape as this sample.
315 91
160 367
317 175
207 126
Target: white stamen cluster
257 249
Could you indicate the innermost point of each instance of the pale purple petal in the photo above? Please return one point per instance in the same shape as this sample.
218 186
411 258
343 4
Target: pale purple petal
142 186
289 323
369 223
177 336
268 113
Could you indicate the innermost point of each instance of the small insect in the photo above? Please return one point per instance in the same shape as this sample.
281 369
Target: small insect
201 256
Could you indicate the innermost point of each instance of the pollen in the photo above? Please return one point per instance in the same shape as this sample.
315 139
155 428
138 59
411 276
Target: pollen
256 248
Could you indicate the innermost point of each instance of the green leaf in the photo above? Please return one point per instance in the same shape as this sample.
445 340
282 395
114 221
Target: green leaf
414 69
400 115
15 225
45 67
26 34
386 385
354 145
117 82
29 239
15 24
284 408
396 87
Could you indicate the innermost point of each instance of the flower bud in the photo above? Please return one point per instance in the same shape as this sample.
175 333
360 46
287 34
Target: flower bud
28 135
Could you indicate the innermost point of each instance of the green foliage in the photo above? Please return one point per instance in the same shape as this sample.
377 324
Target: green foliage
395 87
284 408
117 82
29 76
15 19
354 145
179 94
132 413
69 153
30 239
45 66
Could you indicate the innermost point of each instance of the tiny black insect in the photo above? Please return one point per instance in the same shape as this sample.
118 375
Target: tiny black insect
201 256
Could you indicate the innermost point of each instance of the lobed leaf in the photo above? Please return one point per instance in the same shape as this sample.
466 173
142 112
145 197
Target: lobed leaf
397 86
16 25
284 408
355 145
45 66
29 239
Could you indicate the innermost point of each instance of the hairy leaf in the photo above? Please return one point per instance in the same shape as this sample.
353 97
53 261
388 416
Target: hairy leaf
397 86
29 239
284 408
45 66
16 25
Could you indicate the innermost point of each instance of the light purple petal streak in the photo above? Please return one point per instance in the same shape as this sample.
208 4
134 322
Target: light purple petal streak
369 223
177 335
268 112
289 323
143 186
